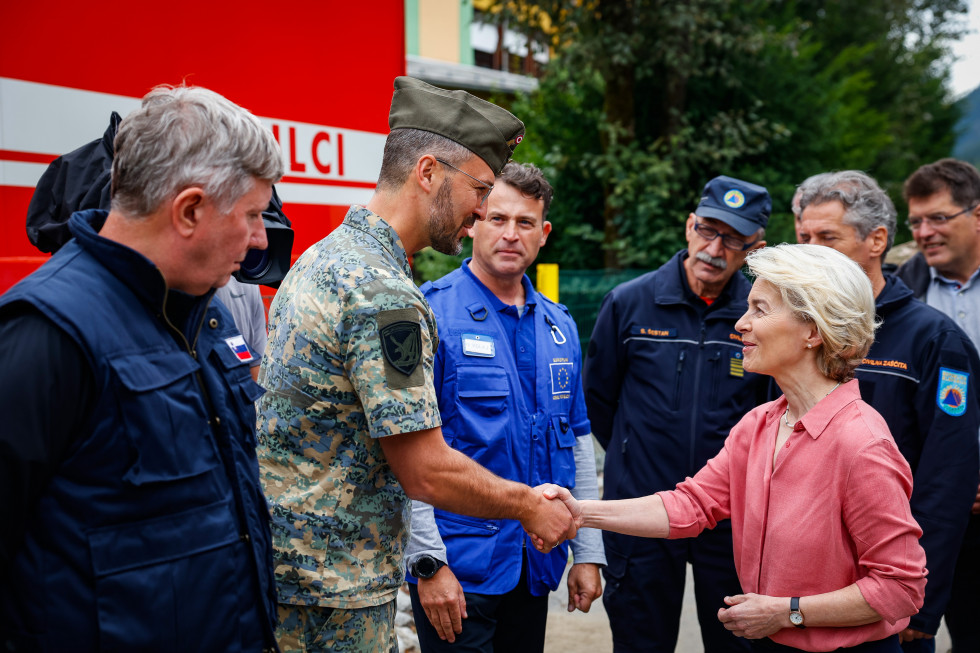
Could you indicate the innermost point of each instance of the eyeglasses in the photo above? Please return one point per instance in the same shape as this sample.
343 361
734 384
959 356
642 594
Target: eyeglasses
938 220
489 187
730 242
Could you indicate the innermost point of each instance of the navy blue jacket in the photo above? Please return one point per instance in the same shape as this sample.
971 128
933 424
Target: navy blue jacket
664 382
487 415
152 533
900 378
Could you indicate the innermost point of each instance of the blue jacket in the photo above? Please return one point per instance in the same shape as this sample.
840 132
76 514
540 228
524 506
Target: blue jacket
153 533
901 379
664 381
485 414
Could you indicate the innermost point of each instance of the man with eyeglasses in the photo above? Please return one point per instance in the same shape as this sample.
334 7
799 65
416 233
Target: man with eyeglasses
349 428
664 384
944 216
918 375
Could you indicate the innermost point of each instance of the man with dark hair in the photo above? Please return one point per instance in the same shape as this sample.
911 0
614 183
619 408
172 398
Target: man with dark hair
944 216
664 385
508 378
919 374
133 518
349 429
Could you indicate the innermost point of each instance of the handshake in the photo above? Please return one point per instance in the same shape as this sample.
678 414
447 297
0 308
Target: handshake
555 517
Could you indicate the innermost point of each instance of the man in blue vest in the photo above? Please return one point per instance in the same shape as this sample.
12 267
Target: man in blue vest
664 385
507 377
133 518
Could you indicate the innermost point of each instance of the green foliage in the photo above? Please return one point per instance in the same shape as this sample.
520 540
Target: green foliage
646 100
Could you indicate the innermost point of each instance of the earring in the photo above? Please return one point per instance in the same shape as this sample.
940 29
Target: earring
809 346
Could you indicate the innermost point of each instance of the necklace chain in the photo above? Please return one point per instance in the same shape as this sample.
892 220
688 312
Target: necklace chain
786 412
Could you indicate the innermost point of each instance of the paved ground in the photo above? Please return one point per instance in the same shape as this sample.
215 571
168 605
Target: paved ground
589 633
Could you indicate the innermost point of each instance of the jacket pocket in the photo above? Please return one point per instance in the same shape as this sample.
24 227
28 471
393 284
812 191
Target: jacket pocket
243 390
169 583
470 544
482 395
561 443
164 417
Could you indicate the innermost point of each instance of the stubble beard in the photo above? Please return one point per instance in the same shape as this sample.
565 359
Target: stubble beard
443 230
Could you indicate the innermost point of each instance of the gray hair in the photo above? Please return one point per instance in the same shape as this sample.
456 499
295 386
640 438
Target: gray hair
826 288
189 136
866 205
403 149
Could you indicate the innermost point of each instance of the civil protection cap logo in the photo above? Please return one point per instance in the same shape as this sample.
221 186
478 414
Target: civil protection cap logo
401 344
952 395
734 198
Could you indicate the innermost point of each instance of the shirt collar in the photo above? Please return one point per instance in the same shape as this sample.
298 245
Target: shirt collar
530 296
375 226
816 420
943 281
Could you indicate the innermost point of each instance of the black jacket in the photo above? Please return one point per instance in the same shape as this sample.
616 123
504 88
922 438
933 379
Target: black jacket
900 378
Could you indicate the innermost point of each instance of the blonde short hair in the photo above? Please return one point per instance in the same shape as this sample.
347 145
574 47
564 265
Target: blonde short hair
826 288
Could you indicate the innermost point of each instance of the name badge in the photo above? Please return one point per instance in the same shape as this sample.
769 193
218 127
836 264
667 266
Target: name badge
477 345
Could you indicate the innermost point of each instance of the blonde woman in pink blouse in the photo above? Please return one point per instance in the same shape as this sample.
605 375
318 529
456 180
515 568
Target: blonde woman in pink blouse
825 544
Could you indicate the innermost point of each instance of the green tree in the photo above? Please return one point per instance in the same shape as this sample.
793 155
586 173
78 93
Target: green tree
646 100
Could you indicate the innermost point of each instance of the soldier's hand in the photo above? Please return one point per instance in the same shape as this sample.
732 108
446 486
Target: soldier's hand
548 521
443 602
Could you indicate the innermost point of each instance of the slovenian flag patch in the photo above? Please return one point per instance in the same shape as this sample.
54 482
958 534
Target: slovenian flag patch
237 344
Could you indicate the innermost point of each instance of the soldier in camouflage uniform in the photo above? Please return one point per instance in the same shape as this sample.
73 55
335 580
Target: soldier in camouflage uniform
349 429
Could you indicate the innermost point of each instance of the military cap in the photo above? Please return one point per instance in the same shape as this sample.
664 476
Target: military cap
485 129
743 206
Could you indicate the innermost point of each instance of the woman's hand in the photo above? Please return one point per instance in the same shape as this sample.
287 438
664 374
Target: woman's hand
754 616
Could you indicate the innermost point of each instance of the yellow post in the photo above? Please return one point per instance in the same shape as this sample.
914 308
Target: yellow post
548 280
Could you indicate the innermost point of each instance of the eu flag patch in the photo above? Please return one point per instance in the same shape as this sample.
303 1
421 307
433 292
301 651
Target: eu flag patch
561 377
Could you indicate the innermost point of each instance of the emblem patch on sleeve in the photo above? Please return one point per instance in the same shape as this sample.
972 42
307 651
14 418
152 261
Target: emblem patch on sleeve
401 345
952 394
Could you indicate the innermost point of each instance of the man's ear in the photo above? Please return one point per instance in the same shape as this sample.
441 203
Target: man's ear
755 246
185 210
545 230
879 241
424 172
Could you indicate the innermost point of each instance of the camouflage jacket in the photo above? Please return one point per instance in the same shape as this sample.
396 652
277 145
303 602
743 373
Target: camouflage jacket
349 360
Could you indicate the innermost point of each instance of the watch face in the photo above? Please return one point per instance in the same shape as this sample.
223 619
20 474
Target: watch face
796 618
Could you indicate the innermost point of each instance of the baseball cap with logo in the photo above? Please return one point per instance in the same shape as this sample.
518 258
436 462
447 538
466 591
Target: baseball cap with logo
744 206
483 128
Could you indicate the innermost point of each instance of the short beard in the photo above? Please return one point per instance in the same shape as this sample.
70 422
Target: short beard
704 257
441 226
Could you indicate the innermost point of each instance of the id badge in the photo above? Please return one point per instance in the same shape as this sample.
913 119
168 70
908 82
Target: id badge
478 345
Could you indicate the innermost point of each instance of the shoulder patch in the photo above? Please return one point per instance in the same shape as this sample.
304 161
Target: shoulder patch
401 345
951 397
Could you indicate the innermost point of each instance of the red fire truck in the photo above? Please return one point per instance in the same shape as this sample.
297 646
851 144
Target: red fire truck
318 72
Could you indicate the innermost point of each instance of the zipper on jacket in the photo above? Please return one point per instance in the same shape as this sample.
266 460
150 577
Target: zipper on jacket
677 379
696 410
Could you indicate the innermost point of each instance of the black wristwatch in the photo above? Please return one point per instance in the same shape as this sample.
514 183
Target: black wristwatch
426 566
795 616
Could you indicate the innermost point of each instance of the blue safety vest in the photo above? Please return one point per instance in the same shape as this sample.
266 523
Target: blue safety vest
153 534
486 416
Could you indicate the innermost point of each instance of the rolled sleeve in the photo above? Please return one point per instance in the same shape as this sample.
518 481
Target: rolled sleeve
878 517
702 501
393 402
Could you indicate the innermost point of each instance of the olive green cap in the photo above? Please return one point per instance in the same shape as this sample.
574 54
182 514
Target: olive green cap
483 128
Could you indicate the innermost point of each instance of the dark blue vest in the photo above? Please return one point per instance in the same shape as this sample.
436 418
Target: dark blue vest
153 533
486 416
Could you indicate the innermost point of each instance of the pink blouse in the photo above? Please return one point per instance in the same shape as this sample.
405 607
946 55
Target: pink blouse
833 511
